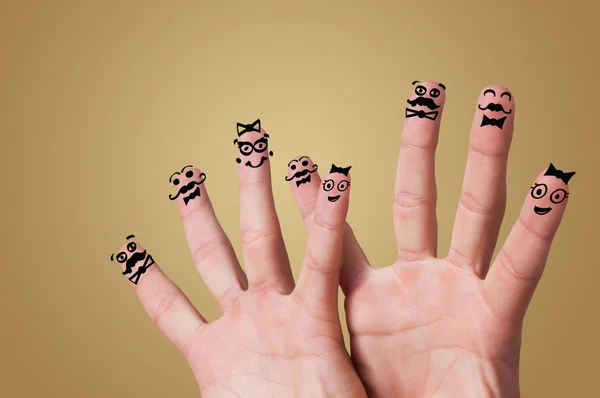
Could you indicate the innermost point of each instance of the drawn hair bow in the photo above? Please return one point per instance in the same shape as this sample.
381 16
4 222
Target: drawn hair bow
565 177
342 170
246 128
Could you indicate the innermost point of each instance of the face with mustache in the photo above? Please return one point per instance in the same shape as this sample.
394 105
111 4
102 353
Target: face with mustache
134 259
187 182
426 99
253 143
496 106
300 169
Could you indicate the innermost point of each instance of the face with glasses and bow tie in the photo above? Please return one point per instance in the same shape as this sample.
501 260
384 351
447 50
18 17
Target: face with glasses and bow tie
253 143
427 99
496 107
550 189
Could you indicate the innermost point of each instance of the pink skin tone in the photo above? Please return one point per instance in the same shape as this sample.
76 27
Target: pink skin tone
275 338
255 159
300 165
495 95
185 178
430 326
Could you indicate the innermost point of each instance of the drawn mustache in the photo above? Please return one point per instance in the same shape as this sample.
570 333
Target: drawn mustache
133 260
424 101
302 173
495 108
188 187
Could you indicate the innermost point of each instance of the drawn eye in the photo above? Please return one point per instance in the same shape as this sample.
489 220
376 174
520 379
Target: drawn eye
434 93
343 185
328 185
246 149
176 181
538 191
558 196
293 167
121 257
131 246
420 90
189 174
260 145
305 163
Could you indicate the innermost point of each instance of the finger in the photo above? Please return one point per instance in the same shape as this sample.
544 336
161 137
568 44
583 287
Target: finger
164 302
265 256
483 199
211 250
319 277
305 183
415 221
513 277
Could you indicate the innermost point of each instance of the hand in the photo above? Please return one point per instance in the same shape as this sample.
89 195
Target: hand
274 339
445 327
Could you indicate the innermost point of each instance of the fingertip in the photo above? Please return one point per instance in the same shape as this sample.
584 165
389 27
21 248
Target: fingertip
426 101
334 195
188 188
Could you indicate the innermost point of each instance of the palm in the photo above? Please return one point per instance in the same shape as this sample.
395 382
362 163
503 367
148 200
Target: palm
424 330
446 327
268 345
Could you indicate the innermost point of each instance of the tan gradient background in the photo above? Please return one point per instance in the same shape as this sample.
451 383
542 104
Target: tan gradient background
100 101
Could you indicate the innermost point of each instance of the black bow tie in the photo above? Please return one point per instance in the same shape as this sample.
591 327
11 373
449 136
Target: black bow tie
493 122
565 177
421 114
135 278
244 128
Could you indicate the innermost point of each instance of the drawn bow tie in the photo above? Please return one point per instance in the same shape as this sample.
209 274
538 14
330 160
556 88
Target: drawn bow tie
493 122
565 177
245 128
421 114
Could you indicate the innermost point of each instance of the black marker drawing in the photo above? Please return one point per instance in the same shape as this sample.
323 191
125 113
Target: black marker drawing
539 190
301 175
342 185
423 101
494 107
259 145
131 257
193 179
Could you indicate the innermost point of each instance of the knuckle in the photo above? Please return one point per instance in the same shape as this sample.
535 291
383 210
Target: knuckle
252 236
207 248
508 265
408 200
321 222
313 264
476 205
164 305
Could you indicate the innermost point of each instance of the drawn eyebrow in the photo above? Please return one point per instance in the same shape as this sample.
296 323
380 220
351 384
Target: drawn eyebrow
176 173
130 236
489 90
185 167
506 93
111 256
415 82
442 86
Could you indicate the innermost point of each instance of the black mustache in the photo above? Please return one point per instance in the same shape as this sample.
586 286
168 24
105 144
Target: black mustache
133 260
424 101
301 173
495 108
305 180
185 189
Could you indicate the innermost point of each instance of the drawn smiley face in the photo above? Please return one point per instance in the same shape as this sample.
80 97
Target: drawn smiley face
133 256
426 100
187 182
337 183
300 169
496 103
548 182
255 142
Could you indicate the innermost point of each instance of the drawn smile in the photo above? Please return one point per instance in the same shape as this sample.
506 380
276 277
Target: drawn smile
262 160
541 210
333 198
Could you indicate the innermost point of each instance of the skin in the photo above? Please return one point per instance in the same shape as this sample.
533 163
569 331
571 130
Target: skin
432 326
275 338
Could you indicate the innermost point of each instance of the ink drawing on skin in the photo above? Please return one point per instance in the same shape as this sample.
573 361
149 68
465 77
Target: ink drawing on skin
252 139
496 108
424 105
132 256
558 195
187 181
340 184
300 170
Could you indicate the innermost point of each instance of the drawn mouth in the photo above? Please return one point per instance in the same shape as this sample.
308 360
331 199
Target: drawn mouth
262 160
541 210
333 198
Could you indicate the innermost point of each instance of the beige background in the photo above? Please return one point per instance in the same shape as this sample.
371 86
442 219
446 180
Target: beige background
100 101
